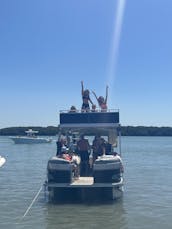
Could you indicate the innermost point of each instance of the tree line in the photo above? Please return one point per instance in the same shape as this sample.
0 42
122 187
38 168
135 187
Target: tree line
146 131
125 131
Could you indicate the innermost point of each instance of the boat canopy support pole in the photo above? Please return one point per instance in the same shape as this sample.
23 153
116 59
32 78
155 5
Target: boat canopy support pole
119 134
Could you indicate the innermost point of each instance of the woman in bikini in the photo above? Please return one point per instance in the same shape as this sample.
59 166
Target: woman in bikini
101 101
85 98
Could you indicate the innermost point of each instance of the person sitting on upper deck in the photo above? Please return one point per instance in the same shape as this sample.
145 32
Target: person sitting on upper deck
82 149
86 98
73 109
93 108
101 100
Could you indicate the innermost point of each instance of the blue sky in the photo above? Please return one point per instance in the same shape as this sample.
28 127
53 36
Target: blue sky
48 46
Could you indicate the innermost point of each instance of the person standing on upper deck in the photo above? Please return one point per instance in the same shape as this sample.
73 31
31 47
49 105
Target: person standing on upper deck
101 100
82 149
85 98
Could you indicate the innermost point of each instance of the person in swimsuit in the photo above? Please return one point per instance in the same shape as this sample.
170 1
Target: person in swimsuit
85 98
96 147
83 148
101 101
62 141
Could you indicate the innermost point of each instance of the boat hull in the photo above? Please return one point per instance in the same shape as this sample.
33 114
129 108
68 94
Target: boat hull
104 185
85 192
29 140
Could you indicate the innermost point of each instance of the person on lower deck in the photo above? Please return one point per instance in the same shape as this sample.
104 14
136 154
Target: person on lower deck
100 147
116 155
76 162
82 149
62 141
64 154
96 147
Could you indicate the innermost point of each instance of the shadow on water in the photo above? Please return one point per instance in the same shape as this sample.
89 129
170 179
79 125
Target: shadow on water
81 214
86 215
77 214
87 202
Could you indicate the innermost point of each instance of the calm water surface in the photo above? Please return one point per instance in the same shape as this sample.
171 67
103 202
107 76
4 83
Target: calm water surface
146 204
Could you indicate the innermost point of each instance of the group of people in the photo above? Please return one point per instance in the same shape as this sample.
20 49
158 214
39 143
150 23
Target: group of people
79 152
102 102
66 150
75 151
86 101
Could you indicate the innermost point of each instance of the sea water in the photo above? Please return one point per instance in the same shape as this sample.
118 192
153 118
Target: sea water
146 203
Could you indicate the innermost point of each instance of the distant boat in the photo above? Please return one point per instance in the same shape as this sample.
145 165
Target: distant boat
2 161
30 138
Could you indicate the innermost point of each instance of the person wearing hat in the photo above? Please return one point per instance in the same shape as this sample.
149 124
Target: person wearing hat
65 154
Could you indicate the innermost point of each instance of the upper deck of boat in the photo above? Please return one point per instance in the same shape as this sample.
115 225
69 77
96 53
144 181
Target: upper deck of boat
109 118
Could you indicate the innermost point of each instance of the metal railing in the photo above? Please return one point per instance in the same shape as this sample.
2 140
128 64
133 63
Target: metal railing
88 111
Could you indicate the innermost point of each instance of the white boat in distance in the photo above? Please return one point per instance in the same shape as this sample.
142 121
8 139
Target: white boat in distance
30 138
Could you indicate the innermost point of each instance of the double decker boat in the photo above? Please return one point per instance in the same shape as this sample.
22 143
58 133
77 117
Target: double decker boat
104 181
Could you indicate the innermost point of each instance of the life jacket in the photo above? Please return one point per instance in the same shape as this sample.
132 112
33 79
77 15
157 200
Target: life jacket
66 156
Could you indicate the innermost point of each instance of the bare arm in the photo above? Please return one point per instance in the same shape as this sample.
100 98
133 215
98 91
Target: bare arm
88 145
95 95
82 88
91 101
104 150
106 94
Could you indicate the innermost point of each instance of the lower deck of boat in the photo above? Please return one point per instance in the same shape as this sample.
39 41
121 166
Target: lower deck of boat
84 194
84 189
84 182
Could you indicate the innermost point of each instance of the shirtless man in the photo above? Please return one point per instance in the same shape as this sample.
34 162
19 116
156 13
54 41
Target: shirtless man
83 148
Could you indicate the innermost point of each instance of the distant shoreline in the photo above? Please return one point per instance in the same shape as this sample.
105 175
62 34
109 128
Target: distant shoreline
125 131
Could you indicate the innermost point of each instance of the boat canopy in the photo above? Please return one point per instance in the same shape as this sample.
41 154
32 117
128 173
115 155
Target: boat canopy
89 119
91 123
